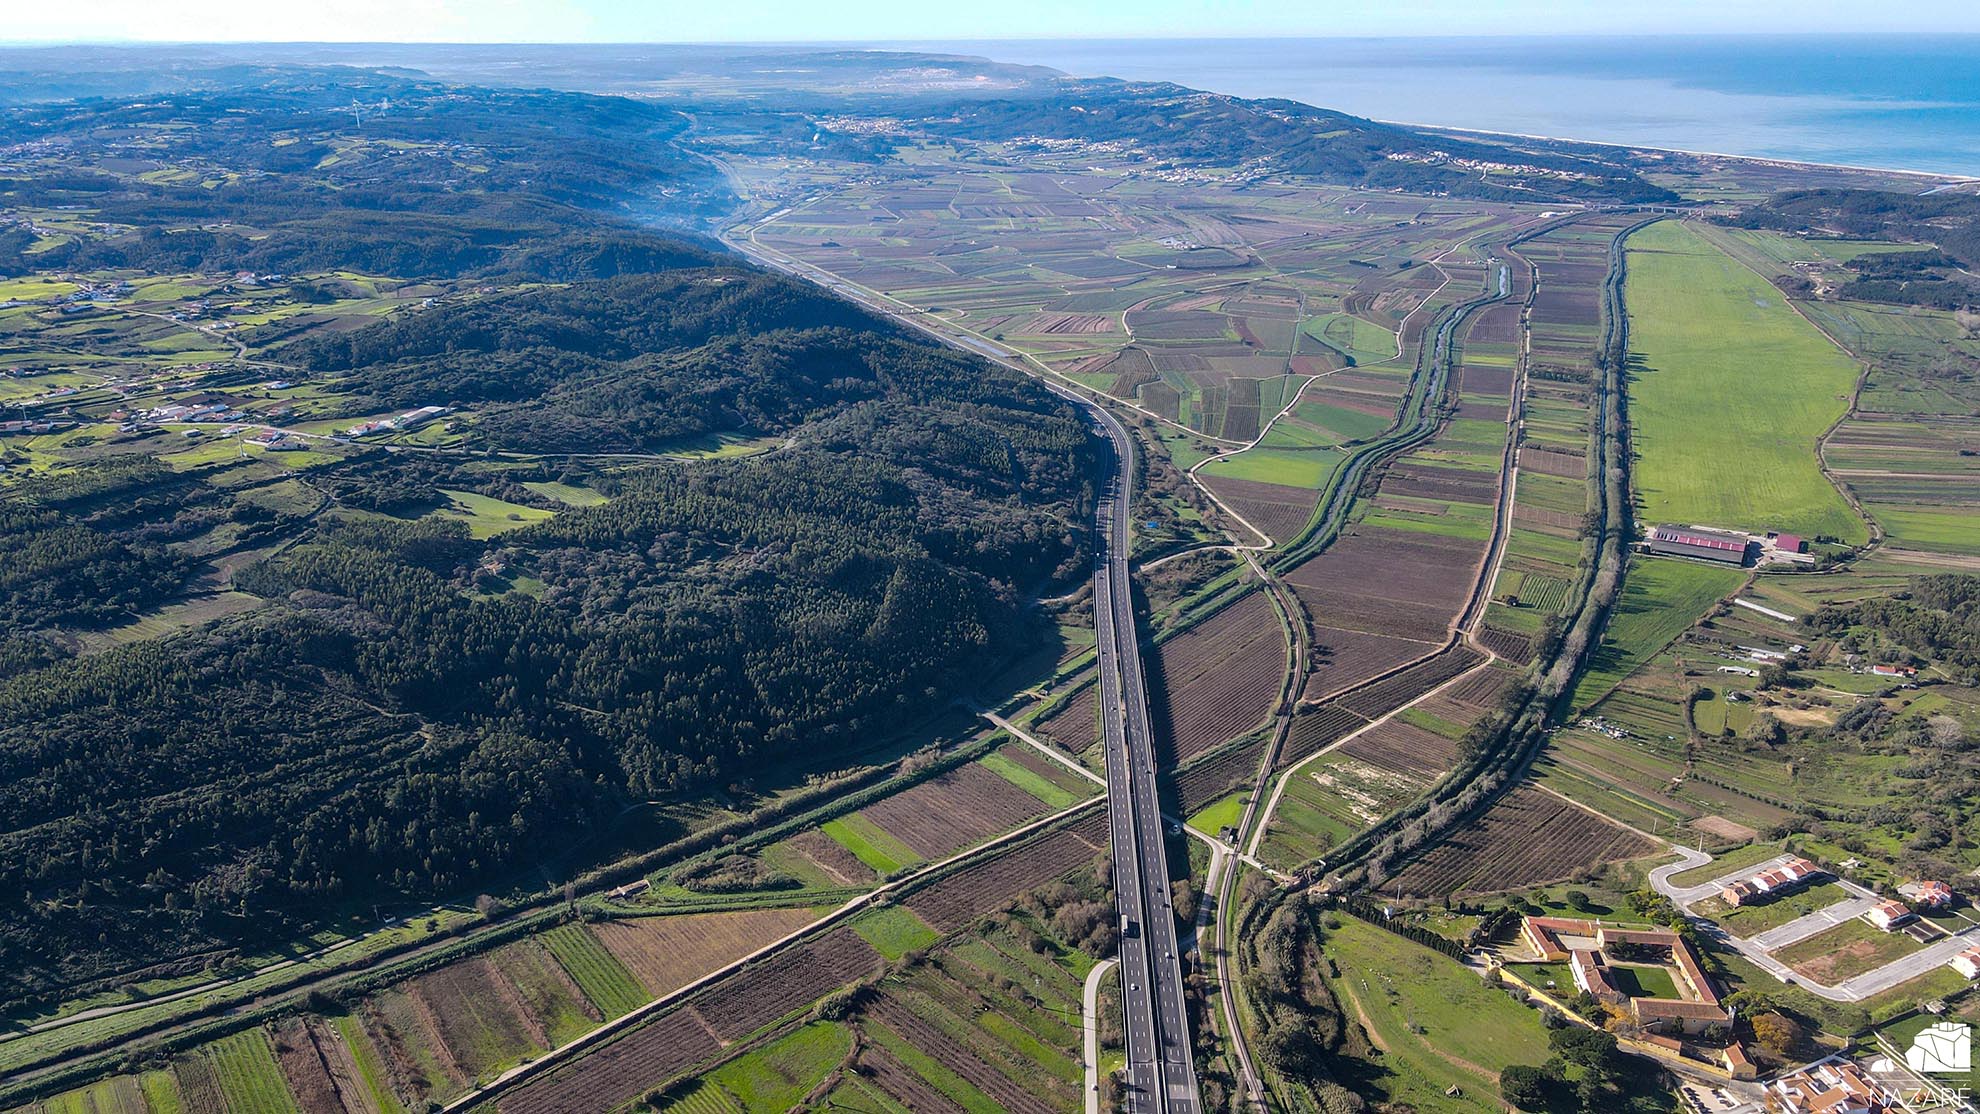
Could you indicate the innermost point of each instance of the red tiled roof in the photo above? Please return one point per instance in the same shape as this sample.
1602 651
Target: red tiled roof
1671 1007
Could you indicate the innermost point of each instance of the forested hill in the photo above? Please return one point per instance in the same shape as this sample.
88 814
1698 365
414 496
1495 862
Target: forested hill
395 722
406 702
327 169
1944 226
1191 127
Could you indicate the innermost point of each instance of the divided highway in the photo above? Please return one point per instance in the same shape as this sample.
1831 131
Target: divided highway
1161 1070
1161 1073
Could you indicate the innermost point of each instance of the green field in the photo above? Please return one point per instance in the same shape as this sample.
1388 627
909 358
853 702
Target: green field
1662 596
1352 424
1054 795
161 1093
1946 531
1785 249
771 1079
1292 467
488 517
1438 1022
894 931
1219 814
597 972
1366 341
566 493
1554 978
872 844
535 973
1426 516
1734 392
120 1094
243 1069
1640 981
372 1072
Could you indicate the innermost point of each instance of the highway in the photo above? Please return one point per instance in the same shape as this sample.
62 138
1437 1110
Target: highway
1161 1072
1161 1069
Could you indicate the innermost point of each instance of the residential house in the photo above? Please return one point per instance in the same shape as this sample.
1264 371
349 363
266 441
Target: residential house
1933 894
1967 963
1830 1087
1888 915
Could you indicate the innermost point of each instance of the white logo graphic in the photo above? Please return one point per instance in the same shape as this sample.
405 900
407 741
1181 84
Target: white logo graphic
1946 1047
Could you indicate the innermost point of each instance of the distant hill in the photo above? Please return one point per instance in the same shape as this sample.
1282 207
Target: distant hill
1187 126
1945 226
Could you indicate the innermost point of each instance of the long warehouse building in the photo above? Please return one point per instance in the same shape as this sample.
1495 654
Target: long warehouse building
1706 545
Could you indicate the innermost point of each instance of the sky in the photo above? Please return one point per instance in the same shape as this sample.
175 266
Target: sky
906 20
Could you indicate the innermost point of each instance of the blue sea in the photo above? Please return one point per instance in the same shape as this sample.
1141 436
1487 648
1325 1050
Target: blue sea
1909 102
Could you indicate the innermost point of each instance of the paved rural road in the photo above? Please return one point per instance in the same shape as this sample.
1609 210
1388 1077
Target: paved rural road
1660 878
1161 1068
1090 1024
1813 924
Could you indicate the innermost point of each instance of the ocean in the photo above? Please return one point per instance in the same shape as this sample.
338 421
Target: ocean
1905 102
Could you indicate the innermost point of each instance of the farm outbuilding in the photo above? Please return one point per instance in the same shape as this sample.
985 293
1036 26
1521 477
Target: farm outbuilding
1704 545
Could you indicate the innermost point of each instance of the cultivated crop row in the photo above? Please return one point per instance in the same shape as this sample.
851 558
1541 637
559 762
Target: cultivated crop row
1393 692
1314 730
952 902
1217 680
1527 838
954 810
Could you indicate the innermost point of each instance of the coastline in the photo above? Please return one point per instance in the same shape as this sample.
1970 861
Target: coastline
1931 175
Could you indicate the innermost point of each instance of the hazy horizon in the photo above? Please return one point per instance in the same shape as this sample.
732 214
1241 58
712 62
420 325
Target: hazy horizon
516 22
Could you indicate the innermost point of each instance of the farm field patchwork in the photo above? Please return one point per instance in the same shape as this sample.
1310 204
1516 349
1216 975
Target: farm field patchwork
1335 796
1682 741
987 1020
1195 303
1661 598
1907 449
